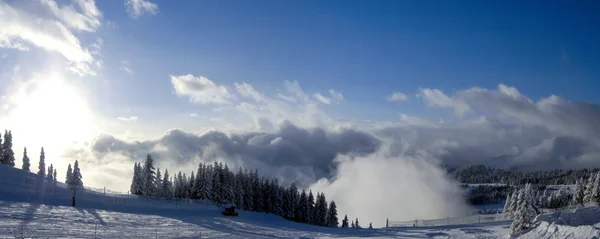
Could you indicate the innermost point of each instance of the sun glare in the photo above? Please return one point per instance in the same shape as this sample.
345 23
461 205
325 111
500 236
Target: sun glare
51 113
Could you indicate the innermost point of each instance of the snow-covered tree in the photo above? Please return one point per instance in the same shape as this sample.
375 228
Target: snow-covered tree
26 163
514 204
8 156
77 177
239 189
588 194
192 186
525 213
198 184
228 180
353 225
332 218
345 222
507 204
137 185
370 225
149 181
69 178
165 188
579 193
42 164
596 189
356 223
216 189
158 185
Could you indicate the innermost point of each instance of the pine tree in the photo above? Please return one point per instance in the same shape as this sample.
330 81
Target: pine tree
216 189
77 178
588 195
69 178
158 185
353 225
303 208
149 180
525 213
579 193
192 186
8 156
54 178
276 197
321 209
514 204
239 189
311 208
356 223
507 204
293 201
596 189
165 188
42 164
256 192
50 172
227 185
332 218
205 191
198 184
345 222
26 163
248 191
370 225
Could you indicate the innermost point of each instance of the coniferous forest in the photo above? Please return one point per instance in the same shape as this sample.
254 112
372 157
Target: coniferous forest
245 189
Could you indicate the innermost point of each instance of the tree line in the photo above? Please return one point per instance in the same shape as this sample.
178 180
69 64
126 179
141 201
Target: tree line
475 174
245 189
7 156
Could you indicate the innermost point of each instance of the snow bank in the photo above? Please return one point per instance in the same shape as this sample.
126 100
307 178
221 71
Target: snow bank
552 230
576 223
575 217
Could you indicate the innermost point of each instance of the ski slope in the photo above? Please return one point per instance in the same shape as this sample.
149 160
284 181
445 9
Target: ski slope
32 209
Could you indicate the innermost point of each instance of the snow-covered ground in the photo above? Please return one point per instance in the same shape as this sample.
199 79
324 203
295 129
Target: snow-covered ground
30 209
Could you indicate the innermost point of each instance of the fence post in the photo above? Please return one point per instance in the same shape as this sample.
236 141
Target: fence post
448 220
479 218
95 227
156 233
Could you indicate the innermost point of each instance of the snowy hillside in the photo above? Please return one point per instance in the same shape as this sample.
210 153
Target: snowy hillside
32 209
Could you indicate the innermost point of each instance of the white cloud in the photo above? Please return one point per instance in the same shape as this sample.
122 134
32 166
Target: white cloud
322 99
200 89
131 118
246 90
286 98
397 96
337 96
194 114
136 8
47 25
86 20
125 69
435 97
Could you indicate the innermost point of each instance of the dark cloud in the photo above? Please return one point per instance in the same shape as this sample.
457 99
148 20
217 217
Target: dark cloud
276 154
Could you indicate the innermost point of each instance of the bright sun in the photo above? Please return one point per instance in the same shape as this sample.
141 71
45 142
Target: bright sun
51 113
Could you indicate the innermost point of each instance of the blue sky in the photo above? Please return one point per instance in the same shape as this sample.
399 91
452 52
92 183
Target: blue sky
362 49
